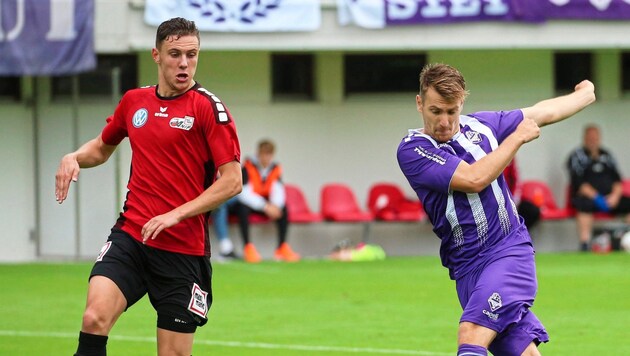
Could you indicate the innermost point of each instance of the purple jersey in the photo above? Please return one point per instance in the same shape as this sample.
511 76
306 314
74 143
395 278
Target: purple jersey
472 226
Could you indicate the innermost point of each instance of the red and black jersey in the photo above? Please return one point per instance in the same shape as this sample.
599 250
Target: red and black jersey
177 144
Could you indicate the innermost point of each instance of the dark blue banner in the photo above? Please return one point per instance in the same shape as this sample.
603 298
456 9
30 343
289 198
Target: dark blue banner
46 37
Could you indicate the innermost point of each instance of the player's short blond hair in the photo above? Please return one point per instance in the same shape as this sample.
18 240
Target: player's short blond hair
445 80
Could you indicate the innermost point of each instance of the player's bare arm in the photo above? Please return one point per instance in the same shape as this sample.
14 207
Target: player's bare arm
228 185
91 154
557 109
473 178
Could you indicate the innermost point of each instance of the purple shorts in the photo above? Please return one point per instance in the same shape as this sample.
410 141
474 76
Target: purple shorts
498 296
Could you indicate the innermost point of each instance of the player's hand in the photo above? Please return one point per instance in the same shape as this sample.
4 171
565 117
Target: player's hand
528 130
272 211
67 172
585 85
153 227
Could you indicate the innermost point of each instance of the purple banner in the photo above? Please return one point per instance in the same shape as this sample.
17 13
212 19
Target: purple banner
46 37
588 9
408 12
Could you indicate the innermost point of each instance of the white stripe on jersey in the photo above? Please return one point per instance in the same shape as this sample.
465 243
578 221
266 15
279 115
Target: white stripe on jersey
478 153
479 215
451 216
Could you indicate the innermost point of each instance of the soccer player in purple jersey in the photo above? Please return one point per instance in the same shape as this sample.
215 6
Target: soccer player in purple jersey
454 164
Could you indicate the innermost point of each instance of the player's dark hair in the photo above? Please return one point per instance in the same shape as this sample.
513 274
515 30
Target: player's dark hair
445 80
176 27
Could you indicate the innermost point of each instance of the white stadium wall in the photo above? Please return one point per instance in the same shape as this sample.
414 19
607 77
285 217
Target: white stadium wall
351 140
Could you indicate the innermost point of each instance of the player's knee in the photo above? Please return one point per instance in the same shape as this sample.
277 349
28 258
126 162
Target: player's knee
531 350
470 333
95 323
172 350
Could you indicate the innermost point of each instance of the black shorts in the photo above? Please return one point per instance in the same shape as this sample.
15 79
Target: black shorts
586 205
178 285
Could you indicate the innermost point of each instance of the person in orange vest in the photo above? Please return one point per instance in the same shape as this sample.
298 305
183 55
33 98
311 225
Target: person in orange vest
263 193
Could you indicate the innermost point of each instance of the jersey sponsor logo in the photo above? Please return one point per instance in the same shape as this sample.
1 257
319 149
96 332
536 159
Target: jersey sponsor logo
198 301
430 156
474 137
104 250
140 118
185 123
162 112
490 315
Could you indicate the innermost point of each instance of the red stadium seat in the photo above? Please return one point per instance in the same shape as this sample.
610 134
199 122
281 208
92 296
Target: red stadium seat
338 203
539 193
626 187
388 203
297 207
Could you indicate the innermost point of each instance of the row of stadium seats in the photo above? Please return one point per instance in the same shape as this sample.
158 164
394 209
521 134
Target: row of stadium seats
539 193
386 202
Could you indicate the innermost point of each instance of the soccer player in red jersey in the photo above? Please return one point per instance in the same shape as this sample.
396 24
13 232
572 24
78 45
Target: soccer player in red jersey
181 137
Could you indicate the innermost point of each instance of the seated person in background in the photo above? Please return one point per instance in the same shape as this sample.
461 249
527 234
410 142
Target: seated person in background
263 193
527 209
220 224
595 184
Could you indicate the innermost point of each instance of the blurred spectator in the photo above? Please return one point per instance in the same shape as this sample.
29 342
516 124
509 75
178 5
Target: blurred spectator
595 184
264 194
220 225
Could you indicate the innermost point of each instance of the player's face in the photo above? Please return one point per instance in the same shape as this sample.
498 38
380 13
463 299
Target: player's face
441 117
177 62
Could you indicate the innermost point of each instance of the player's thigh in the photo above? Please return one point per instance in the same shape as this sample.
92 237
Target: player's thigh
171 343
105 297
122 260
105 304
180 290
503 291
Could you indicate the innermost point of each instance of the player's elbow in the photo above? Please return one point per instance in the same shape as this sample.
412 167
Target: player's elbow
474 185
469 180
235 185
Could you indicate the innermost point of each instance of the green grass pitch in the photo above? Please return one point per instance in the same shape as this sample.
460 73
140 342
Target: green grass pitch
400 306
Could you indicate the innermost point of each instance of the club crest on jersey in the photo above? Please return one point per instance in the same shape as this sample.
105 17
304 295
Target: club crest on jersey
140 118
198 304
185 123
474 136
495 301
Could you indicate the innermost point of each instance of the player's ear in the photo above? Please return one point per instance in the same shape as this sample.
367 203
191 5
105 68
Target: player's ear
156 55
419 102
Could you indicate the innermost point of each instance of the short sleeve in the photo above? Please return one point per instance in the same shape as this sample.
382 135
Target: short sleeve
425 166
223 140
116 128
503 123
